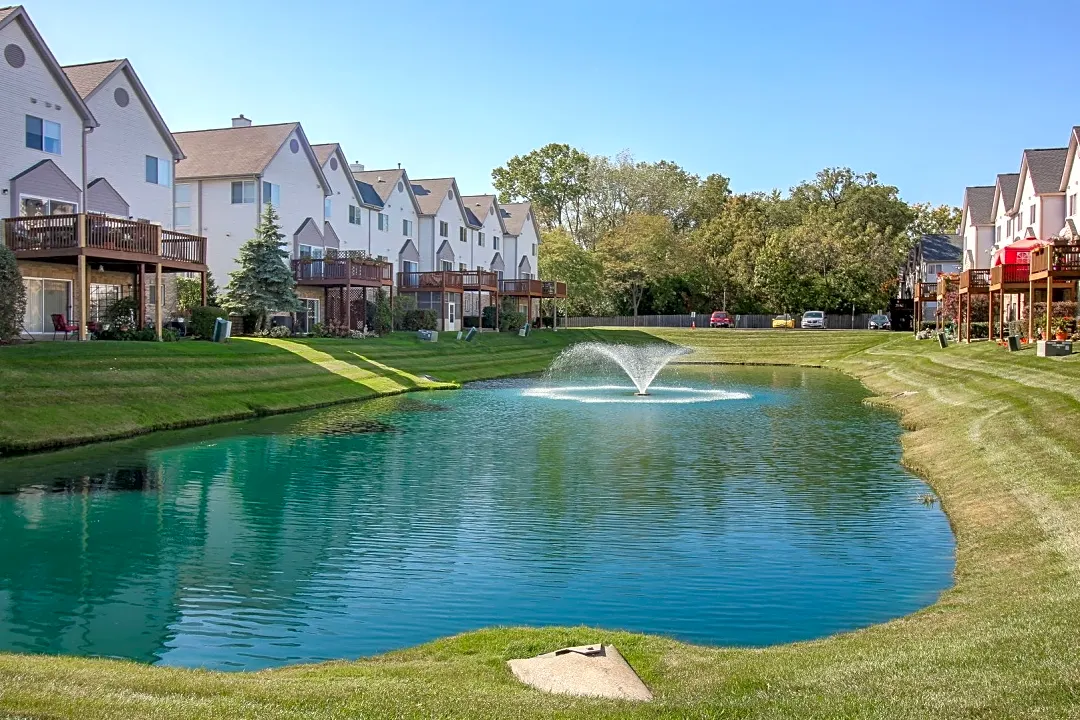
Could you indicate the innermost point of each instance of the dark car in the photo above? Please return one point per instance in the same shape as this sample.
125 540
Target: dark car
720 319
879 322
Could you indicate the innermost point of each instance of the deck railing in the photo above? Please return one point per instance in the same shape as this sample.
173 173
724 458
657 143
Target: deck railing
1056 258
182 247
521 287
926 290
343 270
109 233
975 280
1009 274
47 232
554 289
945 283
480 278
433 280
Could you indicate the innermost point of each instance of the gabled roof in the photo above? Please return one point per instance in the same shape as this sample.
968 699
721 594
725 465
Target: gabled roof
88 77
18 14
1070 157
481 205
239 151
978 205
1045 168
514 214
378 185
326 151
940 248
430 193
1005 192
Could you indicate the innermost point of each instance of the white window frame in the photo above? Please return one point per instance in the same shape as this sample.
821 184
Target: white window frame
45 136
244 184
176 216
384 222
328 208
406 227
354 215
67 312
494 242
463 234
444 229
48 204
274 196
480 238
162 171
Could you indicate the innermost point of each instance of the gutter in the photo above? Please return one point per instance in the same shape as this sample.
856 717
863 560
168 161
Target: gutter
82 198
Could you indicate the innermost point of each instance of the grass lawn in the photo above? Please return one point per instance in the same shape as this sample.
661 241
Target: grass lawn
993 432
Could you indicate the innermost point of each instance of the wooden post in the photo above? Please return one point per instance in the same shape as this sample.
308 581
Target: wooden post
1001 313
1030 303
83 298
496 310
202 275
347 294
1049 302
159 305
141 316
990 316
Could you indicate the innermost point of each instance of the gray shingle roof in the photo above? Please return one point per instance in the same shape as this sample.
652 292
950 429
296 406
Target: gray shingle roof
379 182
1007 182
514 215
979 200
87 77
229 152
1046 167
430 193
941 248
478 205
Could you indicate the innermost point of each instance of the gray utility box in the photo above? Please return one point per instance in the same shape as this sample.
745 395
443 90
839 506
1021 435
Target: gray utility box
222 330
428 335
1054 348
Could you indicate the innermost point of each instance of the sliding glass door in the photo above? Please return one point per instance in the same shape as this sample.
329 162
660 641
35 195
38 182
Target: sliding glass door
45 298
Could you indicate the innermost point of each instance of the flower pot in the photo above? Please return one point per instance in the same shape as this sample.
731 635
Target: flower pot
1061 336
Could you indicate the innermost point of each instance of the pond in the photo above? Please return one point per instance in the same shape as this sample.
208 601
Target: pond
374 526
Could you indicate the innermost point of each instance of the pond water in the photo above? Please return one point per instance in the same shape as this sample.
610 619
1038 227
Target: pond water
363 528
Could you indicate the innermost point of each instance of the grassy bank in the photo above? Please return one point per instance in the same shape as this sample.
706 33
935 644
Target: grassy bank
993 432
56 394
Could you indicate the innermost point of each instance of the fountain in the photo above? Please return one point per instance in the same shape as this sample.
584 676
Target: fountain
640 363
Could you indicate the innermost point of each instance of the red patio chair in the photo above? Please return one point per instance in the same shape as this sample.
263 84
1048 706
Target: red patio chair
60 324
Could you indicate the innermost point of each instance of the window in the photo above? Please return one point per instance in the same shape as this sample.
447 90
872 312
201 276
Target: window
158 171
36 207
183 193
151 293
444 229
480 239
243 192
183 217
327 208
305 251
406 227
45 298
1032 220
384 221
101 297
463 234
42 135
354 215
271 194
1072 204
307 315
408 266
463 267
447 265
494 242
534 249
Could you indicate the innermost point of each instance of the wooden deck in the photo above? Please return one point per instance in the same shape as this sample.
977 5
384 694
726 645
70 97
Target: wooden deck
975 282
449 281
533 288
343 272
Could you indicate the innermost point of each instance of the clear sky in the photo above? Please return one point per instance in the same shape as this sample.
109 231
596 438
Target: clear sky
932 95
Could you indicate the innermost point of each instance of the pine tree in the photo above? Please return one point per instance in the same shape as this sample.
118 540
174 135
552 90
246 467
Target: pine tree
263 284
12 296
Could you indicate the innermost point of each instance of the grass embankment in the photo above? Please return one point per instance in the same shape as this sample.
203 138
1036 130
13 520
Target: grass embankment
994 433
57 394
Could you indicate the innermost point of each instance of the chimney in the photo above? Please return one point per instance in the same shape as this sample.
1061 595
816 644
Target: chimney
241 121
399 166
356 167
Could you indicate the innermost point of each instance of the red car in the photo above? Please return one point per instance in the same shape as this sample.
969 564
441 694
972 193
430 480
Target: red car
720 319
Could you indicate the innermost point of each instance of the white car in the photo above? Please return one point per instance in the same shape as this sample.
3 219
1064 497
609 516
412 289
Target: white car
813 319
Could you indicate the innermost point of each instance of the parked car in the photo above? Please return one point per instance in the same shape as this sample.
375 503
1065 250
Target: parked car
783 321
720 319
879 322
813 319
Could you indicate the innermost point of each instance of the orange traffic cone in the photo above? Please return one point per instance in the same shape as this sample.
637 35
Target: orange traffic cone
693 325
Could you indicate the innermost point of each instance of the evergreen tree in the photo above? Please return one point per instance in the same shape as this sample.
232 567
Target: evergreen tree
263 284
12 296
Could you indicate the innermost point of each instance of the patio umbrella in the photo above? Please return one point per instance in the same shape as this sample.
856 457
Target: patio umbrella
1019 252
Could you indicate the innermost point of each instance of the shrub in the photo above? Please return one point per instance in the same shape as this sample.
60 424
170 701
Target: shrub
280 331
121 313
188 294
510 318
169 335
980 330
382 320
203 319
404 305
1018 328
12 296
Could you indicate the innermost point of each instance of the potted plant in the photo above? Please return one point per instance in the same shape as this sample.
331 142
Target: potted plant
1064 327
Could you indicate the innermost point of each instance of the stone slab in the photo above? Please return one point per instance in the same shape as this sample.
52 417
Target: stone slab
585 670
1054 348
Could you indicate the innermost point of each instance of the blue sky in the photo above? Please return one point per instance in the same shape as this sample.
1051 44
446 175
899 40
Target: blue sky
932 96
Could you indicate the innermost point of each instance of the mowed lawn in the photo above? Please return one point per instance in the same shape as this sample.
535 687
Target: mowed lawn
57 393
994 433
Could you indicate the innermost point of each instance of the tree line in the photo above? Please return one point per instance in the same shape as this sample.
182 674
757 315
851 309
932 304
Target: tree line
635 237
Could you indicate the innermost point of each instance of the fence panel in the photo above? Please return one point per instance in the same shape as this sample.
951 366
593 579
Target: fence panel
757 321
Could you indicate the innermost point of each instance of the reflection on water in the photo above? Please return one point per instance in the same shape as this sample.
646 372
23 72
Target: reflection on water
378 525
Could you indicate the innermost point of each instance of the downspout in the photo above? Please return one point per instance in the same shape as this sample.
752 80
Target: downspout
82 195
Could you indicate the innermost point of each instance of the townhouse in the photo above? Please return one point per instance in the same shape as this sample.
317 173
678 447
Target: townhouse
89 166
1070 185
346 214
977 226
394 212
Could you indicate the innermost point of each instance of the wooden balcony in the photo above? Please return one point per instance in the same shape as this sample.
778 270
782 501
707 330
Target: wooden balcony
64 238
926 292
1009 277
975 282
343 271
946 283
480 280
1055 261
553 289
449 281
533 288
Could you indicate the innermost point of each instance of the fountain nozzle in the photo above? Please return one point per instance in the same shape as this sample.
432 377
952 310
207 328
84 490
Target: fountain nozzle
642 394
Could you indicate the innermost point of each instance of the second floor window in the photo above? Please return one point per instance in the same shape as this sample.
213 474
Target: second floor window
183 193
444 229
354 215
158 171
534 249
1072 204
271 194
243 192
1032 220
494 242
406 227
42 135
447 265
463 234
183 217
463 267
480 239
384 221
327 209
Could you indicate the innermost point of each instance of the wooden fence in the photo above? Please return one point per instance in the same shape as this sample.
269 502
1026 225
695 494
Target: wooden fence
832 321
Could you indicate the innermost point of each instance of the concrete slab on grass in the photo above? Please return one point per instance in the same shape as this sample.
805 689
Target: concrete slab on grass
587 670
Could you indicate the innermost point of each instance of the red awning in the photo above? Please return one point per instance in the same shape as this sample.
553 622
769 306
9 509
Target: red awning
1019 252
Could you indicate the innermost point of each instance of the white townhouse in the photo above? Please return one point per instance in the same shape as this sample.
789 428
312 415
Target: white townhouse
445 233
487 250
131 155
393 225
347 215
229 174
1040 201
1002 210
522 240
1070 185
77 140
977 226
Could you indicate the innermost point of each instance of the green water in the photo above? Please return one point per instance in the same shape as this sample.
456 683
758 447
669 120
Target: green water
374 526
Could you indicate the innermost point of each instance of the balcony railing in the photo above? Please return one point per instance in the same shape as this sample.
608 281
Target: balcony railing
945 283
1009 274
473 279
521 287
437 280
554 289
54 234
974 281
926 290
1056 259
343 271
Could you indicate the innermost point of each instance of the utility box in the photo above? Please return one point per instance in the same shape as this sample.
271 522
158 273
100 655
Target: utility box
470 335
222 330
942 341
1014 343
1054 348
428 335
